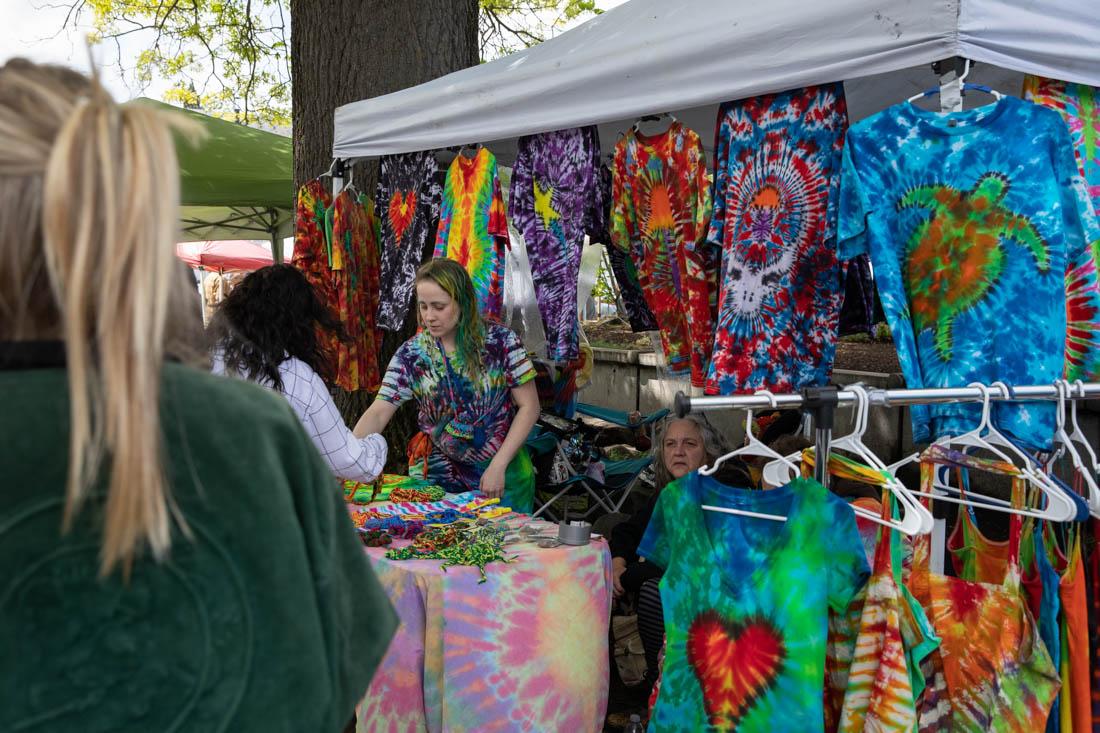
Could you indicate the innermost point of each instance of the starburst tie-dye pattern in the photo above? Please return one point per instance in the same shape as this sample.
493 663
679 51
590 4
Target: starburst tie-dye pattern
971 220
408 200
745 603
1079 105
473 230
993 673
555 187
660 208
524 651
776 178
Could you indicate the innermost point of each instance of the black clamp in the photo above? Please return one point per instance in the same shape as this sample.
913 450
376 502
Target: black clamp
821 403
681 406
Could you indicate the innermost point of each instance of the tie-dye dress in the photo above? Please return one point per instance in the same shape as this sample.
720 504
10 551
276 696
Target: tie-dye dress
462 420
971 219
1079 105
660 209
408 200
777 168
746 603
555 188
473 229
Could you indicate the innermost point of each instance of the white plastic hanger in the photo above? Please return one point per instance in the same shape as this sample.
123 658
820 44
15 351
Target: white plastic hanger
1086 469
962 85
915 520
986 437
754 447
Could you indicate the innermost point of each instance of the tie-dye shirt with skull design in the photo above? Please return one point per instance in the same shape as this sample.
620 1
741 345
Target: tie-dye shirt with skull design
407 200
776 177
970 219
746 603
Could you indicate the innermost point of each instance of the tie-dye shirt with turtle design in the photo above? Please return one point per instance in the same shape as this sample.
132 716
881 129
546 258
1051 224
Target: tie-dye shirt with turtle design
555 195
746 603
473 230
659 212
1079 105
407 200
777 166
971 219
466 419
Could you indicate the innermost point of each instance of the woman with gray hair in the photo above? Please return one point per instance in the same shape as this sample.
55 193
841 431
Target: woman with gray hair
683 445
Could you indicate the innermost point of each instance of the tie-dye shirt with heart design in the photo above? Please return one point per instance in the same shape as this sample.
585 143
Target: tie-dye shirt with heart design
407 200
746 603
971 219
473 228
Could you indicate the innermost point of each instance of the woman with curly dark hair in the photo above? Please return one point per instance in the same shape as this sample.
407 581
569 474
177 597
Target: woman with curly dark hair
266 332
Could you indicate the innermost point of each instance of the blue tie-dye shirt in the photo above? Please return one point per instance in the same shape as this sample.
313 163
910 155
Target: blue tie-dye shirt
969 218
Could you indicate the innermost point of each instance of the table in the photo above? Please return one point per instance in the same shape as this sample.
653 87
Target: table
524 651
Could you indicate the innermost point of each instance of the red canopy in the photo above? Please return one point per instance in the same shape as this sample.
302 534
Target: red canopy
223 256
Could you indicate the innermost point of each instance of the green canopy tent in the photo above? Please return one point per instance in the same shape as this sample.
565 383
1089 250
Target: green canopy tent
236 184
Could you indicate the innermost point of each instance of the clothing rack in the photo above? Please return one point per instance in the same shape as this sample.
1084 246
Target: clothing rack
821 403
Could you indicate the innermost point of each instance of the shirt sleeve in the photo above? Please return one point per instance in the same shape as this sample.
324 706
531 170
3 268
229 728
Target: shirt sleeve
397 382
852 208
701 184
348 457
518 369
521 192
627 536
622 206
849 570
716 232
498 222
443 230
656 546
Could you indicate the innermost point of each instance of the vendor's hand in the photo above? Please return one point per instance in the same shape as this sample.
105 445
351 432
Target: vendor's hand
492 481
618 567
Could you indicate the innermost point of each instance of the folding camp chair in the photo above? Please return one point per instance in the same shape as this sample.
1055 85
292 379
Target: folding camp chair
619 477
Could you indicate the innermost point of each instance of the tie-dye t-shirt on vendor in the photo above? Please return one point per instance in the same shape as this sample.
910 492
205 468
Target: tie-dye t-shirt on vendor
970 219
746 603
473 229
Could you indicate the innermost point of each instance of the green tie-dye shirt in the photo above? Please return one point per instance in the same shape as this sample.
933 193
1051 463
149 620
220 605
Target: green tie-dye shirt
746 603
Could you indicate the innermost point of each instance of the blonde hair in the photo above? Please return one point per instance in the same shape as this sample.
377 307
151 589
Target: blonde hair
89 197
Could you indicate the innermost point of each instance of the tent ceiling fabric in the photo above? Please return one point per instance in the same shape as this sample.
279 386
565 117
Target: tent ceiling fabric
649 56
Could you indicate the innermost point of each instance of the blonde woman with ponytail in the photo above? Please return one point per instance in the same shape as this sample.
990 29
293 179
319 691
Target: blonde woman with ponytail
174 554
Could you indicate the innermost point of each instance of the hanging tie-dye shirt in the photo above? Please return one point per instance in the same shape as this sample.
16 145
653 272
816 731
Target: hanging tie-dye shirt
1078 105
555 190
746 603
661 205
970 219
776 177
473 230
408 199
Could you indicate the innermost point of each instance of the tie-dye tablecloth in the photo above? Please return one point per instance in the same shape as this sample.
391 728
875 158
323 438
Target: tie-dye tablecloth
524 651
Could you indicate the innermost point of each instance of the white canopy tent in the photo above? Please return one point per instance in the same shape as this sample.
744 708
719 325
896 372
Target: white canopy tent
686 56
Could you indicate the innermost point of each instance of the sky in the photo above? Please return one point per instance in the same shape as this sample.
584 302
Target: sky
31 28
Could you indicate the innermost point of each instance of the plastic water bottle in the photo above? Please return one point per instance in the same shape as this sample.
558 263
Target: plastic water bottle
635 725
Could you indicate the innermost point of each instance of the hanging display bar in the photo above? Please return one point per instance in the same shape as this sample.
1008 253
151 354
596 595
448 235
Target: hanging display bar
888 397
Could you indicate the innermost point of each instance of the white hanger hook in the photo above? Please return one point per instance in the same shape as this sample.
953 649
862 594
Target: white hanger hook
1063 389
985 403
966 70
771 397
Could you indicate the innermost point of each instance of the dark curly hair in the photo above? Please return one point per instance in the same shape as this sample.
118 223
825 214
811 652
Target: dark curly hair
272 315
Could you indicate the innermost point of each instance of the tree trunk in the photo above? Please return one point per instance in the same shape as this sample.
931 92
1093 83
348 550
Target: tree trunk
346 50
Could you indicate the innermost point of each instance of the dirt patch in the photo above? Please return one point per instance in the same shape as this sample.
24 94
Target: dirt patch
615 333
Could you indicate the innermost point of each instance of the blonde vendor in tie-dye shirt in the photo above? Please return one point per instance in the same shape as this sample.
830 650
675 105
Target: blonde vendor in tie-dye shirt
474 389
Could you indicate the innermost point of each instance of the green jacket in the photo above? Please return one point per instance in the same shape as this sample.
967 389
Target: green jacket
267 618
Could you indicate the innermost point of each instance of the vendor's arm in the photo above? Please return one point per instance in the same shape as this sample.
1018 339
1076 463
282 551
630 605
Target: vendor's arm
396 389
526 398
375 418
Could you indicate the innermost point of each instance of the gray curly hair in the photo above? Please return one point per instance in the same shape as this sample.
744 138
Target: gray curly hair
714 445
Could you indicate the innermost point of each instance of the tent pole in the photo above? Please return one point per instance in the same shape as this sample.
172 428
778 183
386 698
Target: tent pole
276 247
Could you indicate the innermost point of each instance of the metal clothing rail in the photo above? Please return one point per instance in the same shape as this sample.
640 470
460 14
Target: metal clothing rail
821 403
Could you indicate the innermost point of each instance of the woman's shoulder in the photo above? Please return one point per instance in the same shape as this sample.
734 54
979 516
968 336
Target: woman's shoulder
500 336
221 401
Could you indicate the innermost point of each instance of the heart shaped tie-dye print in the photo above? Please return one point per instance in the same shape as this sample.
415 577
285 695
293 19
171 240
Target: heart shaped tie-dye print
736 663
402 208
